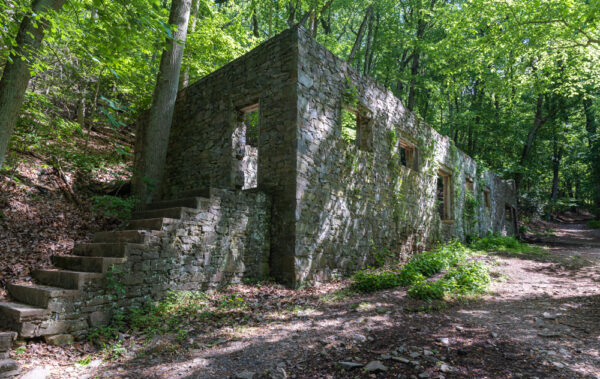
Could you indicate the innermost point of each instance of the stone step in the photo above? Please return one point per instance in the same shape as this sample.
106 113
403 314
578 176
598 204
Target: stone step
12 314
9 368
149 224
176 213
37 295
204 192
66 279
102 249
132 236
85 264
6 340
187 202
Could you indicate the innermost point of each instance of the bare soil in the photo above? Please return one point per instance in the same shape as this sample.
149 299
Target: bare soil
540 319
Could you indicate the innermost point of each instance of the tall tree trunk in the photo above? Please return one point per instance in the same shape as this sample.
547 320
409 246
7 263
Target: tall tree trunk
16 74
538 122
591 126
184 78
153 138
359 35
556 157
255 30
414 70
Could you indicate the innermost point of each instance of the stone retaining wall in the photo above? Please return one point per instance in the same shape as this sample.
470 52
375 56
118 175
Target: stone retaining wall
226 239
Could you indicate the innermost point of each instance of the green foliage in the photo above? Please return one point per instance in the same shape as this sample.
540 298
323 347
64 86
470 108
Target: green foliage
506 244
348 125
374 280
173 314
594 224
114 280
462 277
114 206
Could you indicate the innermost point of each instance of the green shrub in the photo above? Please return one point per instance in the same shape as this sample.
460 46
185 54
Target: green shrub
594 224
463 277
470 277
374 280
428 290
498 243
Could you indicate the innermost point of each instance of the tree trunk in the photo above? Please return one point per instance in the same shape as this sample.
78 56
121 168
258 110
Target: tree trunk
414 70
538 122
360 33
184 79
556 157
16 73
591 127
255 30
153 138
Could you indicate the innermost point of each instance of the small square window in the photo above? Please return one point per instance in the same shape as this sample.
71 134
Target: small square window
408 155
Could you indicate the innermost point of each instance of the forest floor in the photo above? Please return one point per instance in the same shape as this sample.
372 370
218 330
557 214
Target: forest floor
540 319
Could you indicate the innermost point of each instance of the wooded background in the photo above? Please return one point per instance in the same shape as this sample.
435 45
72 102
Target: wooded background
514 83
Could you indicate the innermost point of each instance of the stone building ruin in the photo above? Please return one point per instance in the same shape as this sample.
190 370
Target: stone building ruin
284 163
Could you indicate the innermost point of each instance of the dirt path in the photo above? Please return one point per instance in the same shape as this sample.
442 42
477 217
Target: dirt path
540 319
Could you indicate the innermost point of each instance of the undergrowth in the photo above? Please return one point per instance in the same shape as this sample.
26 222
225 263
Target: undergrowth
172 315
508 245
462 277
594 224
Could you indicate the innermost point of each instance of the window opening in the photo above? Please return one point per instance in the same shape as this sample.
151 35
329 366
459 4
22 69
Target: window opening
508 212
487 200
357 127
469 184
245 148
444 196
408 155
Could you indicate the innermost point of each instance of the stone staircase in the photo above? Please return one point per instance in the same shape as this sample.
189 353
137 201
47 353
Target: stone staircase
64 301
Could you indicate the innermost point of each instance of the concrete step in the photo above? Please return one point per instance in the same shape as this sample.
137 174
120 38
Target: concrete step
149 224
102 249
66 279
188 202
37 295
176 213
12 314
85 264
132 236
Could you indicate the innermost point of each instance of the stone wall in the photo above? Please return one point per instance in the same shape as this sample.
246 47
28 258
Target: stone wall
356 203
225 239
207 114
337 204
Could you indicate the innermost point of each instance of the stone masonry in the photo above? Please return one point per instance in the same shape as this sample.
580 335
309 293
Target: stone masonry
285 163
337 204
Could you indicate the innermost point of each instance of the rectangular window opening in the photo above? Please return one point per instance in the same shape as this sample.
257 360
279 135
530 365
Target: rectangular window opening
469 184
444 195
487 200
357 127
408 155
508 213
245 148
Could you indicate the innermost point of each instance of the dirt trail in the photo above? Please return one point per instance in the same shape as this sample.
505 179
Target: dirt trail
541 319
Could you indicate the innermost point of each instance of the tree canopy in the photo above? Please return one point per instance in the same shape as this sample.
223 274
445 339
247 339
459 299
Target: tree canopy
514 83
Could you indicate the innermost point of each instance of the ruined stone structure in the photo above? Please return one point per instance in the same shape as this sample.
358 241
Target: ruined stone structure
284 163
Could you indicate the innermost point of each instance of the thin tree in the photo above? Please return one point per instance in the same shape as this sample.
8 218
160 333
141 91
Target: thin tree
17 71
153 137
